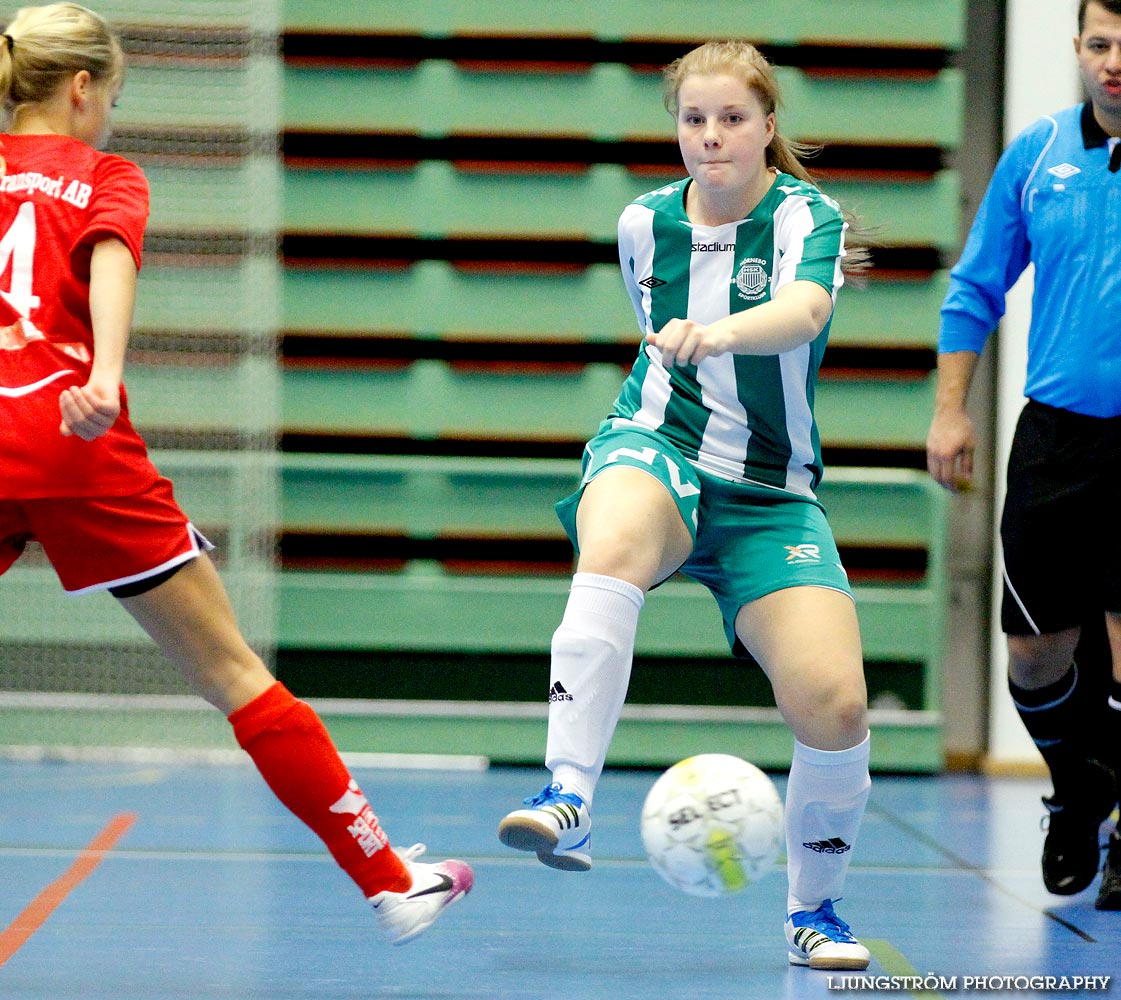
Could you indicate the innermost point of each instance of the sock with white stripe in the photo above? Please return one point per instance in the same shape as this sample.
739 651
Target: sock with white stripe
1113 733
1056 721
825 798
591 668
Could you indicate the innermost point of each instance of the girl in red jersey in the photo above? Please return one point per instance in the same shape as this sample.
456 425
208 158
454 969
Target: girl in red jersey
75 475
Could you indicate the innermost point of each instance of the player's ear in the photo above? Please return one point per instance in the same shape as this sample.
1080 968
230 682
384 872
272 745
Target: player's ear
80 84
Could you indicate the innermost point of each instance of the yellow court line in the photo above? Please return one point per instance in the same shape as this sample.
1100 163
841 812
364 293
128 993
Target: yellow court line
895 963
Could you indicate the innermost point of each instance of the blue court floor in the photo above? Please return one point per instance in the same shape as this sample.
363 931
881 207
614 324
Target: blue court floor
213 891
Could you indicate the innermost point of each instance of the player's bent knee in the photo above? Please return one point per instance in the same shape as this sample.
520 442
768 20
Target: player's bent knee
851 715
829 717
1038 660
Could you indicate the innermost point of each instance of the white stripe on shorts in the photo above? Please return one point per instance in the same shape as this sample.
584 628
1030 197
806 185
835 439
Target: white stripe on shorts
199 544
1019 603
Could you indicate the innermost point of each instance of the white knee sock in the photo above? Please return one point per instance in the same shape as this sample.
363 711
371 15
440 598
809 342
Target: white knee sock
591 668
825 798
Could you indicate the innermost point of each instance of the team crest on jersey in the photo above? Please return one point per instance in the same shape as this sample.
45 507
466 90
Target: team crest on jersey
751 279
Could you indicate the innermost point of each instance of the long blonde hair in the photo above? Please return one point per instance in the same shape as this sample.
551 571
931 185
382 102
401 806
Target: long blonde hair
43 46
745 62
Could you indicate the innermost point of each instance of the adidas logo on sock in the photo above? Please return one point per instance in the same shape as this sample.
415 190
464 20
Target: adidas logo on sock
834 845
558 693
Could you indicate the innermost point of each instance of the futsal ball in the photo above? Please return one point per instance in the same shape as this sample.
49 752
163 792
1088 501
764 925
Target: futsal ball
712 825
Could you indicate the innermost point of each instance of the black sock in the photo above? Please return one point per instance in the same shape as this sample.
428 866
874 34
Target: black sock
1052 717
1049 713
1112 727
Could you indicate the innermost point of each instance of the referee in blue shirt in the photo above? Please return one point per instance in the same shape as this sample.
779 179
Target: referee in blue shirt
1055 201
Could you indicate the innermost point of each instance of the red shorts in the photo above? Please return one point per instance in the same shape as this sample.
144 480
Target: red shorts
95 543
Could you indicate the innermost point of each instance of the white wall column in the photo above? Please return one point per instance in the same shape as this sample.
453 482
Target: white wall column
1041 76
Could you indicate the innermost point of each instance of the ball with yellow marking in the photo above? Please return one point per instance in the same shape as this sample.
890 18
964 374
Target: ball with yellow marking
712 825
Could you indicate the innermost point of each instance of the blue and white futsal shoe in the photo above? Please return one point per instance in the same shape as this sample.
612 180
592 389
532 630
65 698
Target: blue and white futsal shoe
556 826
403 915
822 940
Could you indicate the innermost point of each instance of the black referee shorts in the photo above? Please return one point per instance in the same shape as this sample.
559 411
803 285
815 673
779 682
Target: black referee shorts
1061 527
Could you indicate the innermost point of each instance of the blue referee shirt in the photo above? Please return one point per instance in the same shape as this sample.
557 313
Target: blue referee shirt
1054 201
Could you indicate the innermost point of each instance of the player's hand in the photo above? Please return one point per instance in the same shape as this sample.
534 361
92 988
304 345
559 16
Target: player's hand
683 342
89 410
949 450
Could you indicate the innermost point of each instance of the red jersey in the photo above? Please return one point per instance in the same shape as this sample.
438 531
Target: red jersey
58 198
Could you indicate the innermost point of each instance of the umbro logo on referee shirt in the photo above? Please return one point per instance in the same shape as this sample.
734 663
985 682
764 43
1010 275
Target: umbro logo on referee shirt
1064 170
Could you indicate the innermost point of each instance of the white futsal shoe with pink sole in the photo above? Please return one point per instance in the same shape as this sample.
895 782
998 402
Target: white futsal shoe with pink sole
403 915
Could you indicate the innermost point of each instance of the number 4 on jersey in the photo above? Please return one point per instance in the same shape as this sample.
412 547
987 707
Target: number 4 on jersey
17 248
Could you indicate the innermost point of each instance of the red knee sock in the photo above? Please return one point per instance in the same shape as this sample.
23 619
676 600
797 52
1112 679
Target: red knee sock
297 758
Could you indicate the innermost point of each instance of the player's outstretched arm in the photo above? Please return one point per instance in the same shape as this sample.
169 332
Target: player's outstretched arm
797 314
88 411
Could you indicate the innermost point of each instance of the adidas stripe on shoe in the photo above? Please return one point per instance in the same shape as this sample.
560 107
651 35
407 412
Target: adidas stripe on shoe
822 940
403 915
556 826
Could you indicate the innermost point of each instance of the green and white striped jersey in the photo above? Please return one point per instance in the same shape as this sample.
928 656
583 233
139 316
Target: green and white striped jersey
742 417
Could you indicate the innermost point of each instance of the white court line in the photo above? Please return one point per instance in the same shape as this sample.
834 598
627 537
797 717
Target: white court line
355 760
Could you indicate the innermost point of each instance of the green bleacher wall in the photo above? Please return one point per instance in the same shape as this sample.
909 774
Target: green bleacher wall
452 327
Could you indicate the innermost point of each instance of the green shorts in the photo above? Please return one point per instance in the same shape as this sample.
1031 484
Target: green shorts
748 540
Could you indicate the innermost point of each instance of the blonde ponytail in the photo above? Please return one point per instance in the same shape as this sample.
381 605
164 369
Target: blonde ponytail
43 46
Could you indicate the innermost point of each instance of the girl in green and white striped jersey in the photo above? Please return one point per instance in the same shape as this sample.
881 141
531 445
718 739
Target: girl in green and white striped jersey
707 465
737 407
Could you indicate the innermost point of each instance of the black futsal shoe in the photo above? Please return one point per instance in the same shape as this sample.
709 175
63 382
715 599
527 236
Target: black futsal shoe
1109 893
1071 850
